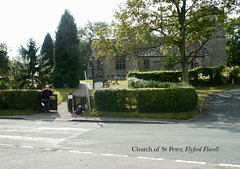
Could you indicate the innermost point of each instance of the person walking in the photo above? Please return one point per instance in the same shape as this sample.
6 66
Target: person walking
45 98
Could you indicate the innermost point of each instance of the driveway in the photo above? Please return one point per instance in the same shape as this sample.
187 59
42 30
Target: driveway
222 107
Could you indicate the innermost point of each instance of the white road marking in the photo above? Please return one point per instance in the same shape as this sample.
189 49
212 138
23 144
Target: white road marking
80 152
229 165
36 139
149 158
62 129
190 162
27 147
114 155
8 145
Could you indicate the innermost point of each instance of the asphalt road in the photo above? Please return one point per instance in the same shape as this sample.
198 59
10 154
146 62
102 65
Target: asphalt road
211 141
38 144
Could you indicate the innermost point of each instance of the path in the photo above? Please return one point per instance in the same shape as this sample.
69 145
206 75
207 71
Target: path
62 108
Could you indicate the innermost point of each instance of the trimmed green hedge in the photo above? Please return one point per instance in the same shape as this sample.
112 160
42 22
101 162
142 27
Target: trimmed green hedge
140 83
20 100
146 100
162 76
201 76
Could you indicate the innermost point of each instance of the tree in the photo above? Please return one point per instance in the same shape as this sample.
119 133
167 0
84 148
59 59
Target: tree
29 59
4 61
233 42
85 36
46 61
66 60
150 24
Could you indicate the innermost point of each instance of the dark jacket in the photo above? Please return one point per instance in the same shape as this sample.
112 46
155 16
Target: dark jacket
46 93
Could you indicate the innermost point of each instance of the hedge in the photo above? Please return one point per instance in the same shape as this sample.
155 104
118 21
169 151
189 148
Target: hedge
201 76
162 76
146 100
20 100
140 83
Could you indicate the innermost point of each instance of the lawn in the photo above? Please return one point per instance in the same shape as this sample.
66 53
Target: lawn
62 93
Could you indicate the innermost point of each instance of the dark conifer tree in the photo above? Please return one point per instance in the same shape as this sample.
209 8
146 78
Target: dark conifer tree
66 60
46 62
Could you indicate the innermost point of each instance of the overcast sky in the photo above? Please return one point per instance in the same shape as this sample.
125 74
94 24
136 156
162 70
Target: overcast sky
25 19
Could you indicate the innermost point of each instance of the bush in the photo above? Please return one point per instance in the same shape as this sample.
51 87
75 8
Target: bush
20 100
162 76
234 74
140 83
110 99
146 100
201 76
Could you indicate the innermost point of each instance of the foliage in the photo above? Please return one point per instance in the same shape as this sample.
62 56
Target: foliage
201 76
20 100
4 61
66 68
28 63
85 35
232 41
162 76
140 83
147 25
146 100
235 74
46 61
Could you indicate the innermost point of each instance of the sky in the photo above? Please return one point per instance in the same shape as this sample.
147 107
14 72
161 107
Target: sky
21 20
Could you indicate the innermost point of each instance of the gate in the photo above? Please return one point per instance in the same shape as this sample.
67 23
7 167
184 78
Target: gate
75 101
53 102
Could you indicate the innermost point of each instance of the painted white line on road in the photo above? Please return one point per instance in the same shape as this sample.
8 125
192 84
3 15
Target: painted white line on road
229 165
35 139
27 147
61 129
80 152
7 145
114 155
149 158
190 162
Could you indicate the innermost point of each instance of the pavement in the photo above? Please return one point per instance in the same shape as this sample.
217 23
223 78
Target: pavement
221 107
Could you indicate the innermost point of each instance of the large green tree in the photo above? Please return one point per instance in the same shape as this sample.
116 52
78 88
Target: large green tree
46 61
85 35
4 61
233 41
150 24
30 61
66 60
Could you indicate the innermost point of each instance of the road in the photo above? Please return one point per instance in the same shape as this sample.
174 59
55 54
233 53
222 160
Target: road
45 144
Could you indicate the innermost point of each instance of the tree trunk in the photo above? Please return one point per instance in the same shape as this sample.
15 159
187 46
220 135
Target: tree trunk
185 76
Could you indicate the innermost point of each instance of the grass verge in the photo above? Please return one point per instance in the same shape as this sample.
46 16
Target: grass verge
176 116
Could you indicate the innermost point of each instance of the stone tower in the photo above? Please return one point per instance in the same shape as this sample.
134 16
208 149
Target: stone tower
216 50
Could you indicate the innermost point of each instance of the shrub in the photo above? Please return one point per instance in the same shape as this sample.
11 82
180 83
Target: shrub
201 76
163 76
20 100
140 83
234 73
111 99
146 100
